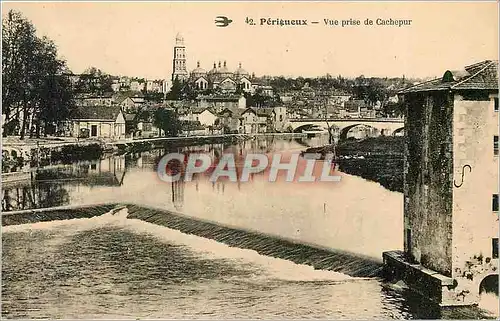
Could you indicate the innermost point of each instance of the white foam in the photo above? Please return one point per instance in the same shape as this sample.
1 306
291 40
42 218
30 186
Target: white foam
268 267
77 224
272 267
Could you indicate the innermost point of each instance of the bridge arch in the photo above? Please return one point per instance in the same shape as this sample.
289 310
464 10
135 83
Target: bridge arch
302 127
398 131
345 131
11 152
308 126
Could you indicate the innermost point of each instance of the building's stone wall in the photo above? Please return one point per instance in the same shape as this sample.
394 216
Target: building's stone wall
474 222
428 183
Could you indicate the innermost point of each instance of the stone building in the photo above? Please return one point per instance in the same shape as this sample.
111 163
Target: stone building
451 185
220 102
219 78
179 62
98 122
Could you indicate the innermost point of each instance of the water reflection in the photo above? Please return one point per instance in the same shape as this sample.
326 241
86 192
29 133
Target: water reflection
34 195
52 185
356 215
348 215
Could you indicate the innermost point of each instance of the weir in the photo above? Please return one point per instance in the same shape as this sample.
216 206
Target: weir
55 213
320 258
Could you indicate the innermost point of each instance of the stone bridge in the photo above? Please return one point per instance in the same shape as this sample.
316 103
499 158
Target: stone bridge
15 152
342 126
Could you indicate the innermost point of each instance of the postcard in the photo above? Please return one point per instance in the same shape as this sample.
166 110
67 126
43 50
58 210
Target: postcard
250 160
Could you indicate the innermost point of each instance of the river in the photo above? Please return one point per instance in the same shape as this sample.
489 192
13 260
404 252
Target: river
112 266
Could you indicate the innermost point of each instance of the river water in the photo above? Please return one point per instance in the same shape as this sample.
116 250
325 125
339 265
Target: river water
112 266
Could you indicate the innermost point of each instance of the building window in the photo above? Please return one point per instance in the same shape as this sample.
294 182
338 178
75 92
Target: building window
495 145
496 103
494 252
495 203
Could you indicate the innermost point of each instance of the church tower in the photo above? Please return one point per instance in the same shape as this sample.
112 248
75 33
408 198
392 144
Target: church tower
179 62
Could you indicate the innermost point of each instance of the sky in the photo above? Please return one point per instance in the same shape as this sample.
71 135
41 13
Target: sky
137 38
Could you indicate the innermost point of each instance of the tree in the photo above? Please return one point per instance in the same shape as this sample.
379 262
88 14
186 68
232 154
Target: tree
36 91
175 92
168 121
153 97
188 92
94 81
55 94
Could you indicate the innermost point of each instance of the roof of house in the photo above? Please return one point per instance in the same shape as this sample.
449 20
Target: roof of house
219 98
199 110
264 112
228 79
261 112
235 112
106 95
482 75
109 113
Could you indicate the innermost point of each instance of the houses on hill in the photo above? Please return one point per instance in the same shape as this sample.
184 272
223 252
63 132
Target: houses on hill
118 116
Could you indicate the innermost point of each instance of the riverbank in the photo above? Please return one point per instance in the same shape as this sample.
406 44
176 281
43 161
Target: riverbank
21 155
30 143
378 159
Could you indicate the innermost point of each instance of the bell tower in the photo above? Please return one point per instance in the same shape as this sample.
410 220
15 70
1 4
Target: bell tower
179 69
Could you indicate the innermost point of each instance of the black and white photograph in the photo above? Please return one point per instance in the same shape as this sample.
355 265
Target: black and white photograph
332 160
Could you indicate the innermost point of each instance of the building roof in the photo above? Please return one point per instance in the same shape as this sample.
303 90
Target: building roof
482 75
219 98
261 112
235 112
200 77
198 70
264 112
108 113
224 69
197 110
214 69
241 71
94 96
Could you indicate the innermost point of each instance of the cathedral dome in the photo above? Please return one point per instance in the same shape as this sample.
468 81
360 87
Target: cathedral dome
198 72
213 70
241 72
224 71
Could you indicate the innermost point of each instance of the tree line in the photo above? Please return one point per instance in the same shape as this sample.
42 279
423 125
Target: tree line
37 93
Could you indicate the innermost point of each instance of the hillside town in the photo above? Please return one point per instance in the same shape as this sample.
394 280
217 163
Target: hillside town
221 100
